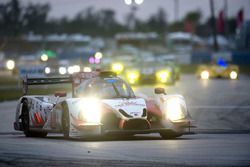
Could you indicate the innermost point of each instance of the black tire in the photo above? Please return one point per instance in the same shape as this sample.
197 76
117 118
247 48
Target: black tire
26 123
169 135
65 121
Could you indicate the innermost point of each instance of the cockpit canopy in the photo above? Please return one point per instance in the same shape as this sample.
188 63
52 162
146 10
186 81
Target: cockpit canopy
107 88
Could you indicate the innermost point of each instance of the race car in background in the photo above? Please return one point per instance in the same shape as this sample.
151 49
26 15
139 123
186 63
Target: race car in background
219 70
101 104
148 69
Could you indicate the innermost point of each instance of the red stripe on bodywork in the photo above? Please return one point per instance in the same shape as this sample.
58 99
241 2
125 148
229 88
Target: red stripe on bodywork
153 108
121 123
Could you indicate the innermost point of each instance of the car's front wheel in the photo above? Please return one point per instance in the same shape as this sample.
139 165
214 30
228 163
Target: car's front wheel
26 123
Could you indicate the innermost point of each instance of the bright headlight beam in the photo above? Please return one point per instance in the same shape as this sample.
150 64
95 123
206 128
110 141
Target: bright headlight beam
233 75
174 110
10 64
132 77
117 67
162 76
205 75
91 110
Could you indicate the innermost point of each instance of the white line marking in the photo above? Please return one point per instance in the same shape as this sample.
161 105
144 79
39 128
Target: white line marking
219 107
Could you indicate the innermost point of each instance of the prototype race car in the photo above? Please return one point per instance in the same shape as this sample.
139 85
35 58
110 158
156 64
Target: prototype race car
148 69
101 104
219 70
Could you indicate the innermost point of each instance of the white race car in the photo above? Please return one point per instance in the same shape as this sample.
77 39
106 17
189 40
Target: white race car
101 104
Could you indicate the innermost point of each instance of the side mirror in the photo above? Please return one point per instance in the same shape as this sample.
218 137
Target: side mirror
160 91
60 94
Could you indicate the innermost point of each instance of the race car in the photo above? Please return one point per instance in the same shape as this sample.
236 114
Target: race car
101 104
149 69
219 70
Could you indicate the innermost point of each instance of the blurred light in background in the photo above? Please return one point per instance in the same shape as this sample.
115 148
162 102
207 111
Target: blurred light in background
163 76
97 61
10 64
204 75
87 69
128 2
233 75
47 70
44 57
139 2
117 67
133 77
98 55
91 60
74 69
62 70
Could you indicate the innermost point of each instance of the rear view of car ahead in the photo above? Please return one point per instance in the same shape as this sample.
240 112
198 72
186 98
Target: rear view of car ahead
101 104
219 70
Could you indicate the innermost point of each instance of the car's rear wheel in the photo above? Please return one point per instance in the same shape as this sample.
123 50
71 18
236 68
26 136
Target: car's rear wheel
65 121
169 135
26 123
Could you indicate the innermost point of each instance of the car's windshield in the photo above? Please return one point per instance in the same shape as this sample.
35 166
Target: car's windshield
106 88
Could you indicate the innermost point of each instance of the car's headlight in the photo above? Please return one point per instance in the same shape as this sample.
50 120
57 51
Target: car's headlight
132 77
163 76
204 74
10 64
174 110
117 67
90 110
233 75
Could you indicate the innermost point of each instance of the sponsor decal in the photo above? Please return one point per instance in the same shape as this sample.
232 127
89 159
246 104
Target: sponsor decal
129 103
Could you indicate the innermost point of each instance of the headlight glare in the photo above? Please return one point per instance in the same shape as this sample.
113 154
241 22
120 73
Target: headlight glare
90 110
174 110
162 76
132 77
233 75
204 74
117 67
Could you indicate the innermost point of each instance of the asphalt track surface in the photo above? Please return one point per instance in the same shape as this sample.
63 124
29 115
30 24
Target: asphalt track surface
221 109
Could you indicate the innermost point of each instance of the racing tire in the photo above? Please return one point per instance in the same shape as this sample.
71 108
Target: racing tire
65 122
26 123
167 135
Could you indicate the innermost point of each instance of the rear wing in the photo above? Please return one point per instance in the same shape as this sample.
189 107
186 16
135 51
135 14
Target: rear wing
44 81
74 79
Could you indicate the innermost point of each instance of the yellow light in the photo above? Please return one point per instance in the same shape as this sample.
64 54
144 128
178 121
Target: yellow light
117 67
44 57
162 76
204 75
62 70
174 111
87 69
233 75
98 55
91 110
47 70
10 64
132 77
